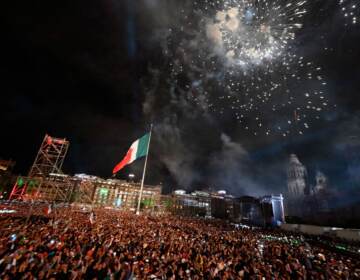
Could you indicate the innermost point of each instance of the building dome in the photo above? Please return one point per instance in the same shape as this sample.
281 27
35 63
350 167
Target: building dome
321 182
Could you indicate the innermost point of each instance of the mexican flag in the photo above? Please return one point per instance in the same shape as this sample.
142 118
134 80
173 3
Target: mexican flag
137 150
92 218
48 209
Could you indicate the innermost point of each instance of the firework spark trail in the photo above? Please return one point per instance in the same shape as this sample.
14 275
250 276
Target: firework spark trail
239 58
350 10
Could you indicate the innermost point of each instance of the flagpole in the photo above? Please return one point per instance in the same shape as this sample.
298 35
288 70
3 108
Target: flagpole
144 172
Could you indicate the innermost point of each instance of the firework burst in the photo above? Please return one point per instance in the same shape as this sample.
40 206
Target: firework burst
253 32
239 58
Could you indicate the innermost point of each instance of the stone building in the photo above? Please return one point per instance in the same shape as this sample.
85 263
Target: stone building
296 178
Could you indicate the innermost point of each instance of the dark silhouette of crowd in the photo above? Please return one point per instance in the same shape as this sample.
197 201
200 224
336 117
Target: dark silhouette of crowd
122 245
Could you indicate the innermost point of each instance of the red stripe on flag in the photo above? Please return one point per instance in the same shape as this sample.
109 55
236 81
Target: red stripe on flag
124 162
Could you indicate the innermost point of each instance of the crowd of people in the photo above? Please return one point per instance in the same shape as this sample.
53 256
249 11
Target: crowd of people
66 244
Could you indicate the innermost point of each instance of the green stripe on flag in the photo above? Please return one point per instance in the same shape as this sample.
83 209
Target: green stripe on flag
143 146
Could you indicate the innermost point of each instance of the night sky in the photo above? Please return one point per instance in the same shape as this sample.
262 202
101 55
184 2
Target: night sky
95 72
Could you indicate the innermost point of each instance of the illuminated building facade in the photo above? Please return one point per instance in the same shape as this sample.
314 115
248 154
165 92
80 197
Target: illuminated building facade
98 192
6 165
224 206
125 195
264 211
195 204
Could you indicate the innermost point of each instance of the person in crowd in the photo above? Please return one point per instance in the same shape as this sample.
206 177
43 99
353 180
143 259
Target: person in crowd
123 246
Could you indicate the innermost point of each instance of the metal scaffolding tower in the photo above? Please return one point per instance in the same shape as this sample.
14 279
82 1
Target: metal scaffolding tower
50 157
47 182
38 184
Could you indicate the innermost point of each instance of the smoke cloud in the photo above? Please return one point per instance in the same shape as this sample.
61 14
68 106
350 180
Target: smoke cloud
191 143
231 169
